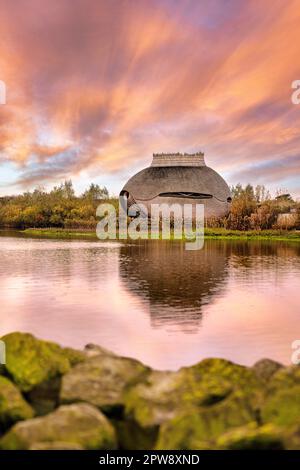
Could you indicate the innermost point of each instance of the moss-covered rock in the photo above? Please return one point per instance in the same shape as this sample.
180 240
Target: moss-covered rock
13 407
101 380
163 395
286 377
199 428
266 368
30 361
282 398
282 407
78 424
213 405
213 386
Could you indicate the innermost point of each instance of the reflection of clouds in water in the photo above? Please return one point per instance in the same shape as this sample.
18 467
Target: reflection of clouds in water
239 300
58 261
175 282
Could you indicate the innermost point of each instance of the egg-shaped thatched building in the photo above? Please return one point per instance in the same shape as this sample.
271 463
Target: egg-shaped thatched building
179 178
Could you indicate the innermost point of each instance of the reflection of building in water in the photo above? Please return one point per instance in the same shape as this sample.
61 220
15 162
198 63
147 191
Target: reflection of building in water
176 283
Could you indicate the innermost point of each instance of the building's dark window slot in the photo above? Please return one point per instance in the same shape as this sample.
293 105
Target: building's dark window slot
188 195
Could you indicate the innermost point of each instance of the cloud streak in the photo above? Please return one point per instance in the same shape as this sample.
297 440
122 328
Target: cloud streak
98 86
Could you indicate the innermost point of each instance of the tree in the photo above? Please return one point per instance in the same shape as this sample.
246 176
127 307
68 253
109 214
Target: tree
95 192
64 190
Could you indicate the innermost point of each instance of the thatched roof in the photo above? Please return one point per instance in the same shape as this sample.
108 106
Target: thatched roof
159 178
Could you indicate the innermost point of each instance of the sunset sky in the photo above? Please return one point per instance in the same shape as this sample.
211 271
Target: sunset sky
94 87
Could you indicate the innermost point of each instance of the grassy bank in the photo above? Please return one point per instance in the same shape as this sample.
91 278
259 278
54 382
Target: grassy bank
60 233
212 233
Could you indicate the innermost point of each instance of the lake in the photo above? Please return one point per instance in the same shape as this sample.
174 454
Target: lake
154 300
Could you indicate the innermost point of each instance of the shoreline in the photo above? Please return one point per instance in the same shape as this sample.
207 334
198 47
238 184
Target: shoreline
210 233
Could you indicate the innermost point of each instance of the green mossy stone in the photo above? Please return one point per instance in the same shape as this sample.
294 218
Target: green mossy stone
79 424
13 406
164 395
101 381
284 378
266 368
252 437
199 428
282 401
30 361
282 407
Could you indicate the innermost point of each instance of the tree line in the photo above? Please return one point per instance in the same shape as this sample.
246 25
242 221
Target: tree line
60 207
253 208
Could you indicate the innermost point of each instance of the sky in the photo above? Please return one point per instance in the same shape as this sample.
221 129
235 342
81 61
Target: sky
94 87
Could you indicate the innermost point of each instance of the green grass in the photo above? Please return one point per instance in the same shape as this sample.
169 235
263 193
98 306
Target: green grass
211 233
252 234
60 233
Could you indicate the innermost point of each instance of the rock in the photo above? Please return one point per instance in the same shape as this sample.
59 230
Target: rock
282 407
199 428
30 362
164 396
154 400
286 377
282 401
252 437
266 368
101 381
80 424
13 407
213 405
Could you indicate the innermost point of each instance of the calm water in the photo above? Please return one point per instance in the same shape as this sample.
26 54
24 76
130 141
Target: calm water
153 300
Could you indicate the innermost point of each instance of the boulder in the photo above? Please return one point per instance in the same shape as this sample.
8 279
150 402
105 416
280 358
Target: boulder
79 424
282 407
286 377
213 386
199 428
282 401
163 395
101 381
13 406
30 362
266 368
